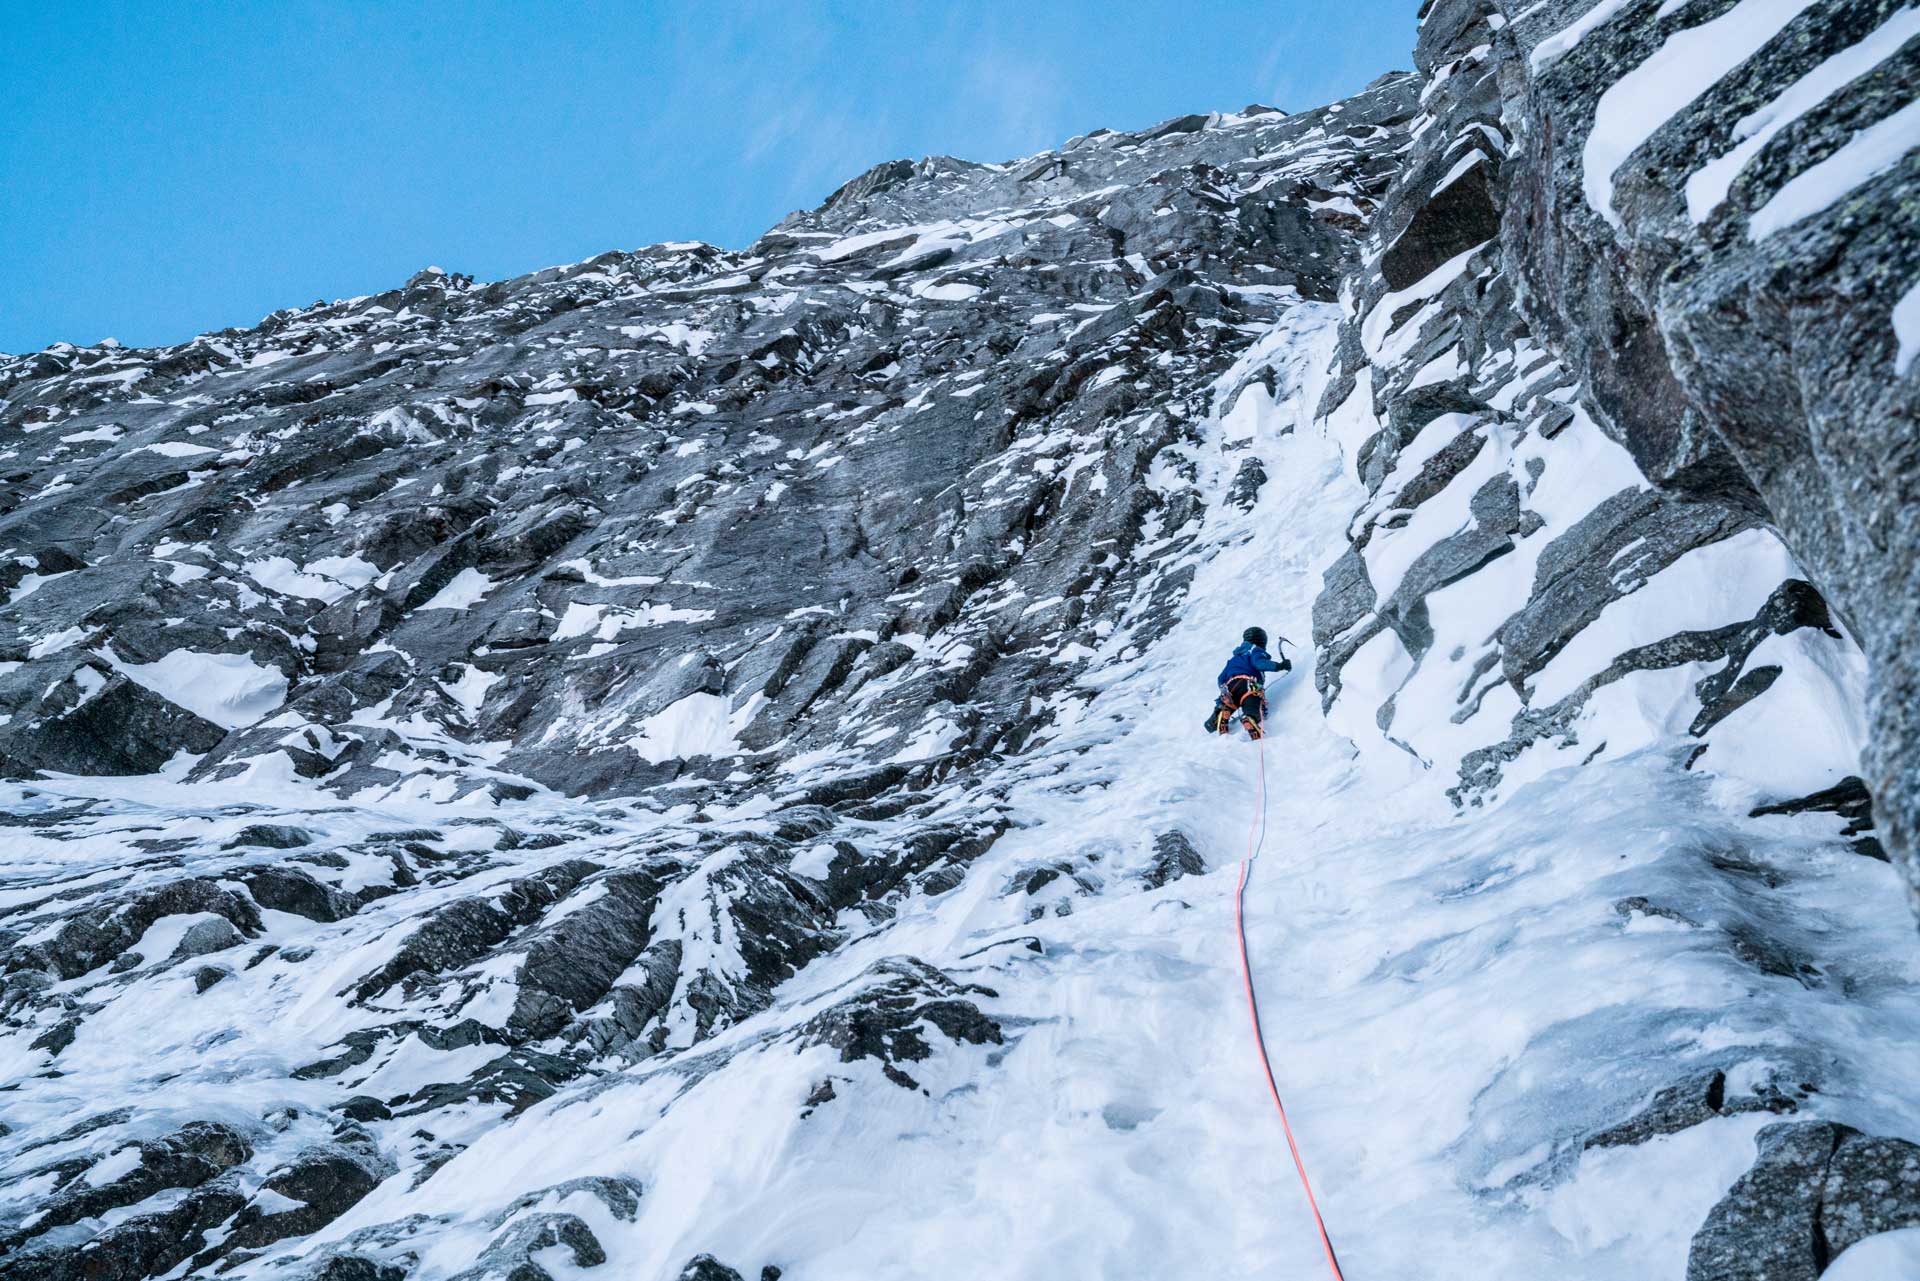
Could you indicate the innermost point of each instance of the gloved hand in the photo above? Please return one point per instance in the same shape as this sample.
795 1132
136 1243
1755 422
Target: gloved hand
1286 664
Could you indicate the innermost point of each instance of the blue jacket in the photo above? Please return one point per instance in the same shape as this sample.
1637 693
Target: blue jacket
1250 660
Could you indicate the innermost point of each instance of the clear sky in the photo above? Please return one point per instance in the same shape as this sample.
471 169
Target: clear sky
168 169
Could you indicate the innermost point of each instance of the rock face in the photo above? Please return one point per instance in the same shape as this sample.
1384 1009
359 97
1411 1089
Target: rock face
568 775
614 525
1725 280
1530 562
1815 1190
1660 244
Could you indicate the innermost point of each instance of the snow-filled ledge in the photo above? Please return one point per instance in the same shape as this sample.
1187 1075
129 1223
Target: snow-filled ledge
231 690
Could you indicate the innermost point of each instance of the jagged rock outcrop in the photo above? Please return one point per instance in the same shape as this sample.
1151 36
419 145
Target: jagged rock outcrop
1523 567
1815 1189
1723 270
1525 308
787 467
1620 342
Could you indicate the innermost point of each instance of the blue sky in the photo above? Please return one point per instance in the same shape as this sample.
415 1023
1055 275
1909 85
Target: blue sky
167 169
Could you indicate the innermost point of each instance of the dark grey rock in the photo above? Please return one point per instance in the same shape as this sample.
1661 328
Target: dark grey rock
290 889
1849 799
856 876
1815 1189
466 929
1701 1097
1872 1186
1248 480
518 1078
1173 857
204 938
510 1255
89 939
188 1158
621 1195
122 728
277 836
363 1108
883 1020
143 1246
356 1267
327 1181
572 964
1460 216
359 1046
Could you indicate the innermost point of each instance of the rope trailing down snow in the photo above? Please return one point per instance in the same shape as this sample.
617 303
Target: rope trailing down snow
1254 846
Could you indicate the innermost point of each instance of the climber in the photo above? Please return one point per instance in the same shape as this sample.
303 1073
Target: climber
1243 684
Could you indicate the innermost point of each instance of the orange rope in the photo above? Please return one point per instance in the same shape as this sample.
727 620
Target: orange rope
1253 1007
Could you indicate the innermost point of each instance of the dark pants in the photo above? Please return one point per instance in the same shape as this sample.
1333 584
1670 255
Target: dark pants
1242 694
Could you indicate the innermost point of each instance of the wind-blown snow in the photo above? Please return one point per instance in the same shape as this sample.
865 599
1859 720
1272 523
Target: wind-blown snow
1906 330
31 583
470 689
1798 740
1885 1256
228 689
1707 186
179 449
697 725
466 589
1376 334
1866 155
957 291
1686 65
1567 37
327 579
109 1168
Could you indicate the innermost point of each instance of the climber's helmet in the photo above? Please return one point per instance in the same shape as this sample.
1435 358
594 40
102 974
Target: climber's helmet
1255 636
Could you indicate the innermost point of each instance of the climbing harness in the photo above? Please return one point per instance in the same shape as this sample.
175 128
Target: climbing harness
1239 691
1253 1006
1236 692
